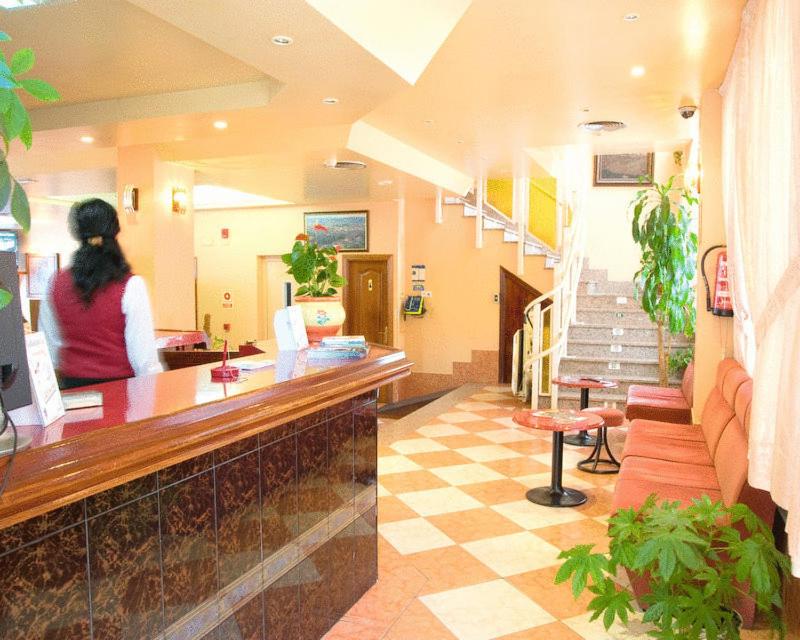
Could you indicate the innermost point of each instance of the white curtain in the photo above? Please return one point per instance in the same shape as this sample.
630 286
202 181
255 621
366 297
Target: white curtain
761 184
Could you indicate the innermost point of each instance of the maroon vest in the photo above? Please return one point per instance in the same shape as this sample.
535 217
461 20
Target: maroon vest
93 336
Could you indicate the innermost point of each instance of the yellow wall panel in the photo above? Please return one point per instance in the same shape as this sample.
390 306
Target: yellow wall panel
500 194
542 212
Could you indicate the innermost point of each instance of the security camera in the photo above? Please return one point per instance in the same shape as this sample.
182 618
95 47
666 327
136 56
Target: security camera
687 111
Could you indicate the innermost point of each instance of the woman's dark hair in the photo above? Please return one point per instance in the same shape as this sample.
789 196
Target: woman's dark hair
99 259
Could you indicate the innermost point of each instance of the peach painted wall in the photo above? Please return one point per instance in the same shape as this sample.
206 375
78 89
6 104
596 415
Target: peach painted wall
609 244
462 315
231 265
714 335
158 243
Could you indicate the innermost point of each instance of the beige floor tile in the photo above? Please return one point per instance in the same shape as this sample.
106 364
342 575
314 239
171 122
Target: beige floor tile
475 406
514 553
596 631
489 452
556 599
532 516
571 456
459 416
438 459
486 610
516 467
488 396
467 474
396 464
420 480
567 535
414 535
553 631
417 445
506 435
439 430
382 491
391 509
435 501
506 422
496 491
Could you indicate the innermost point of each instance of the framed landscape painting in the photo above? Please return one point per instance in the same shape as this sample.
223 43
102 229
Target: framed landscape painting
347 229
623 170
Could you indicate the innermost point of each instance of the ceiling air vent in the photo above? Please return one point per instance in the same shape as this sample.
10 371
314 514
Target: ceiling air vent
345 164
602 125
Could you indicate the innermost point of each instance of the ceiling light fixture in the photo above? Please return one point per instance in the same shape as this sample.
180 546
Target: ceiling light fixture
598 126
630 17
330 100
86 139
180 199
220 124
23 4
637 71
428 122
282 41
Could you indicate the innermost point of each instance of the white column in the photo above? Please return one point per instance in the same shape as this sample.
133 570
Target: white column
479 196
439 213
522 221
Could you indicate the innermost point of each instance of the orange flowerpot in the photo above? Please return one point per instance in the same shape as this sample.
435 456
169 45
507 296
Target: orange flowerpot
322 316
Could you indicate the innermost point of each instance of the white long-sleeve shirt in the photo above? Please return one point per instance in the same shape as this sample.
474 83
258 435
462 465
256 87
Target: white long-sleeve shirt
140 340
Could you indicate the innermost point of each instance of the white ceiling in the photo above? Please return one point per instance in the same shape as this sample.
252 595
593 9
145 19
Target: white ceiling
506 76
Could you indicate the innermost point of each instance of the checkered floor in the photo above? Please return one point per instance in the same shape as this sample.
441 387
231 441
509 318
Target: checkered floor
462 553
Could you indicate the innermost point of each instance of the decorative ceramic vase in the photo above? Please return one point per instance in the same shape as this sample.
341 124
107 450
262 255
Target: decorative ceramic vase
322 316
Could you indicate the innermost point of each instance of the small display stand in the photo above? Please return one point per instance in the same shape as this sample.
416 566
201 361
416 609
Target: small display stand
225 372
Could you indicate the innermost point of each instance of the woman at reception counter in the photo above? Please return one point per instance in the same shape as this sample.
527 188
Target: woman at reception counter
96 317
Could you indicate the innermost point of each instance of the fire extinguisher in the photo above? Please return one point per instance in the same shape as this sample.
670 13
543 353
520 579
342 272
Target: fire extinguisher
723 304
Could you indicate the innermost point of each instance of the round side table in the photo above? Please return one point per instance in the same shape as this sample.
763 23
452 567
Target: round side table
583 439
557 421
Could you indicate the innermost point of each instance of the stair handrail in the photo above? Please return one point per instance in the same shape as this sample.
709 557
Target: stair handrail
561 311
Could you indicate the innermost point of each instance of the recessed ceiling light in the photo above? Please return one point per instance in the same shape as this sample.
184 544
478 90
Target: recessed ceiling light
585 109
459 142
282 41
428 122
220 124
384 183
86 139
330 100
602 125
630 17
637 71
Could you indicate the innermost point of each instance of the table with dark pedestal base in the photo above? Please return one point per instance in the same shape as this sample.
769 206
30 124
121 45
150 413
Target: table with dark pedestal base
557 421
583 439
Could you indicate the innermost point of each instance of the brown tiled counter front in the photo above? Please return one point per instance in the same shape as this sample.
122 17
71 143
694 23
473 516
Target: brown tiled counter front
272 535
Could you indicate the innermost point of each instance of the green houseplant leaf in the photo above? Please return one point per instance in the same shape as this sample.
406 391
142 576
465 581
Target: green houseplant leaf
696 562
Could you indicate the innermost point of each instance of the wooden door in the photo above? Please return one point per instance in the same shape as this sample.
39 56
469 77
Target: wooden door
515 295
367 298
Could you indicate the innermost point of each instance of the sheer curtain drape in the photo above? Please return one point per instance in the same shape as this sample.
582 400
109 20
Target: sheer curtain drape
761 182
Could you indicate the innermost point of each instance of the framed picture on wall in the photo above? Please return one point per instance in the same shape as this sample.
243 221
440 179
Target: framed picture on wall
347 229
40 268
623 170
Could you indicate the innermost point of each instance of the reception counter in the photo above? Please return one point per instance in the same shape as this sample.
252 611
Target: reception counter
185 508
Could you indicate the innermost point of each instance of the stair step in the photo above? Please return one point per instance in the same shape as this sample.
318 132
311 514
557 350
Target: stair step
492 224
608 301
608 366
606 288
534 249
615 317
510 236
613 332
603 348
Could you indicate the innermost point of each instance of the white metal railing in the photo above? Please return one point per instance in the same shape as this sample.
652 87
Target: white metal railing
555 317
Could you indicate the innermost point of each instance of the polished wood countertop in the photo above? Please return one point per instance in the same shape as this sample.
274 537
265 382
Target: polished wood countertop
152 422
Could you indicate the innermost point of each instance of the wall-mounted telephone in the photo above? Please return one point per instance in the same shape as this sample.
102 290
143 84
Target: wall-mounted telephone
414 306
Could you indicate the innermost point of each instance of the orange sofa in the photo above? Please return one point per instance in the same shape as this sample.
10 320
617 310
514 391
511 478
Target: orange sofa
681 462
666 404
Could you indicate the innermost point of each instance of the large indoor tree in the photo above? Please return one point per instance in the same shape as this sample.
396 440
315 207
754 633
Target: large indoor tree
15 124
662 227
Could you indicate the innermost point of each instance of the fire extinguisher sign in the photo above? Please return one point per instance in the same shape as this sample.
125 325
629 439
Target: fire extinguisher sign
227 300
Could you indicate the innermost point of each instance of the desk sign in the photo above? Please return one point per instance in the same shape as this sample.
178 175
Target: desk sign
44 386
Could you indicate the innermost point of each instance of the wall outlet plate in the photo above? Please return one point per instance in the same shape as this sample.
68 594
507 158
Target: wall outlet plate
496 298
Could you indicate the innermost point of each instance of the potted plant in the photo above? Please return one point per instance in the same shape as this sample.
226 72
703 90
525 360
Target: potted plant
662 227
15 124
316 270
696 564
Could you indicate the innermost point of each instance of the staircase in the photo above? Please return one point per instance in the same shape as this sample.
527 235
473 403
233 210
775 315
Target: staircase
612 337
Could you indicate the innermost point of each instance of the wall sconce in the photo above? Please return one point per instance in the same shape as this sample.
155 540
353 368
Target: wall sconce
179 200
130 198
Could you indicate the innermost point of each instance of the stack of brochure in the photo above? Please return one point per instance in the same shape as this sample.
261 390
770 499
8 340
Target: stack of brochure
343 341
339 347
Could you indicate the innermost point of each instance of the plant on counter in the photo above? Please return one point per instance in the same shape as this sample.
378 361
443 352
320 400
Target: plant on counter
662 227
315 268
697 565
679 360
15 124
